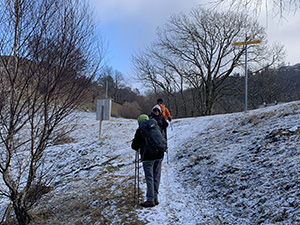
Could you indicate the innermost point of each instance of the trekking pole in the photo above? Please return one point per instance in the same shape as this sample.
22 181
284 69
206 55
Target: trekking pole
138 176
136 179
167 157
134 189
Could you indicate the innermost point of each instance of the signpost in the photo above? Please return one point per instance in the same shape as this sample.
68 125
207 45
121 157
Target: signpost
246 43
103 112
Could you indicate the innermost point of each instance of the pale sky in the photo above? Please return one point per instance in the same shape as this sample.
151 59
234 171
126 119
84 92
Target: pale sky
130 25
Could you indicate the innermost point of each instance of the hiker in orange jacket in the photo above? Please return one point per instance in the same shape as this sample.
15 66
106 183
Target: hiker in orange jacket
165 113
164 109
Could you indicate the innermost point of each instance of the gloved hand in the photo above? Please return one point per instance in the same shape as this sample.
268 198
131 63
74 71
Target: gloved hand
169 118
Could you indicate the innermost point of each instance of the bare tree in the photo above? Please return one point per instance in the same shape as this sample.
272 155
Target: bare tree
266 87
45 68
113 81
161 73
196 51
279 7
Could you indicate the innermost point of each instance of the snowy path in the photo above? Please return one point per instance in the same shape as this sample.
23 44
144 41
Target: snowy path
174 201
177 204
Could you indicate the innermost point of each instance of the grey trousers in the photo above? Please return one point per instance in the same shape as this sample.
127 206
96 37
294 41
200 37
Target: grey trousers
152 171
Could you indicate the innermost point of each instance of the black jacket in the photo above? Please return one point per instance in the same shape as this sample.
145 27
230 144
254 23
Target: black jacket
139 143
161 120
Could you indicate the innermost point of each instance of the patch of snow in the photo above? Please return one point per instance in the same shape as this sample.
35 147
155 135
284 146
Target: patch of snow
224 169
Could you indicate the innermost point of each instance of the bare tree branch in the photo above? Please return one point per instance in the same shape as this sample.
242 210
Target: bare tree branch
196 51
279 8
47 62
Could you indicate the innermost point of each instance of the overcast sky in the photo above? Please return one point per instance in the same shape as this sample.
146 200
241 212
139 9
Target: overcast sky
130 25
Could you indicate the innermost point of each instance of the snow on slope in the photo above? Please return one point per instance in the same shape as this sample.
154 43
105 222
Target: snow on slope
223 169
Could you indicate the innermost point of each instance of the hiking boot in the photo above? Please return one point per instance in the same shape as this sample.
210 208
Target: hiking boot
147 204
156 202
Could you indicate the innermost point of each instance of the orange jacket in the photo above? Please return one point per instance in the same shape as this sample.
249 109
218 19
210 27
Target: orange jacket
165 111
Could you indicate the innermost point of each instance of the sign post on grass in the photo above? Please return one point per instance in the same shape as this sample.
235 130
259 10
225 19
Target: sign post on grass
246 43
103 112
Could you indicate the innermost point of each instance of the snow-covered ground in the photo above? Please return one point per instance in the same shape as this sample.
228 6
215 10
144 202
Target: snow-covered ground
223 169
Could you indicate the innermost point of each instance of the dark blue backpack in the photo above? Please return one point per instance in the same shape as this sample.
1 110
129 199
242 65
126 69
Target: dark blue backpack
155 141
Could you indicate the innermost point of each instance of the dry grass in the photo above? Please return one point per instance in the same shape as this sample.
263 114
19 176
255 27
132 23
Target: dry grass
110 195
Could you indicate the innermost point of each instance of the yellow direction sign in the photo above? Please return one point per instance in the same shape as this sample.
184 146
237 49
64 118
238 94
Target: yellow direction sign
245 43
248 42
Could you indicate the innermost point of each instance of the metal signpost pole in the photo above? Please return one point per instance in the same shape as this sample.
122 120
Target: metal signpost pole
246 43
246 76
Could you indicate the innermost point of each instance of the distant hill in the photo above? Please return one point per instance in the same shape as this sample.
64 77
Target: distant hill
264 87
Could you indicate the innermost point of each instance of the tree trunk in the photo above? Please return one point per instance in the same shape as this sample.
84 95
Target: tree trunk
22 215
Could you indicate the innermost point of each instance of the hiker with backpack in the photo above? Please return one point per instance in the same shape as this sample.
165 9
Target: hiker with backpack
165 112
156 114
152 144
164 109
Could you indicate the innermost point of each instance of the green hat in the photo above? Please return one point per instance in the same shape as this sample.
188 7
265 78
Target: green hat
142 117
